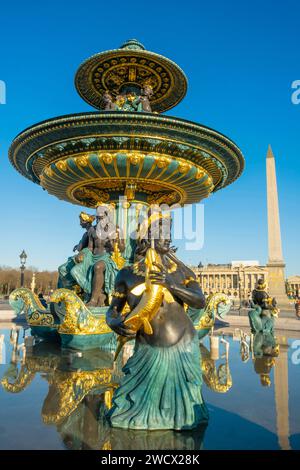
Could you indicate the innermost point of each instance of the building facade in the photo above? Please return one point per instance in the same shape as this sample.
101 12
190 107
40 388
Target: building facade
235 280
238 280
293 286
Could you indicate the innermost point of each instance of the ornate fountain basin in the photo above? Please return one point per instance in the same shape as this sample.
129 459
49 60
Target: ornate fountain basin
90 157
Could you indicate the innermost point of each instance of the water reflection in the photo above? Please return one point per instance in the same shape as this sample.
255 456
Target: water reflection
265 349
80 389
87 428
80 386
216 376
269 353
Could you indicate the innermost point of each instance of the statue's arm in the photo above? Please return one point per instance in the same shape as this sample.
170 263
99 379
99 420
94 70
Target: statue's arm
269 302
191 294
83 243
114 317
90 244
188 292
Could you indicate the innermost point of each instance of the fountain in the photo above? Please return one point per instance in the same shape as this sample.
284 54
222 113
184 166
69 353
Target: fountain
128 161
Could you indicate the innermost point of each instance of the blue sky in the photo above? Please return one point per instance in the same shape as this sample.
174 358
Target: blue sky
240 58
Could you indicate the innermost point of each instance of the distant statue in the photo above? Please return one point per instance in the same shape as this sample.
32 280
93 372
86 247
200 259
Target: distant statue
264 309
134 103
119 103
145 97
108 103
65 278
95 268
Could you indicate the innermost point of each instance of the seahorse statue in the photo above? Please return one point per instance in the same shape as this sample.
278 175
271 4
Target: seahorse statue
70 388
24 378
217 305
78 319
27 373
24 301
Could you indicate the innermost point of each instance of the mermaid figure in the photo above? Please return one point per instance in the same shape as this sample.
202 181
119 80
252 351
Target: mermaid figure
161 388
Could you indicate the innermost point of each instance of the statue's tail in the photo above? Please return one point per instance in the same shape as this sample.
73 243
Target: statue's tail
24 301
24 378
217 305
78 319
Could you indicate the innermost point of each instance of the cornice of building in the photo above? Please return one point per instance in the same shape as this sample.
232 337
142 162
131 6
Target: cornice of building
295 278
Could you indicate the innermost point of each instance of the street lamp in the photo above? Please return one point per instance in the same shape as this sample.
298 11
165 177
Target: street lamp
200 267
23 258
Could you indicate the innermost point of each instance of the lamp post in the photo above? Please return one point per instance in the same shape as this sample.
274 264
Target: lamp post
240 289
200 267
23 257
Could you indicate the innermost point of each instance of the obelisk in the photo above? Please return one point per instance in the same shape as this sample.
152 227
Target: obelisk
275 265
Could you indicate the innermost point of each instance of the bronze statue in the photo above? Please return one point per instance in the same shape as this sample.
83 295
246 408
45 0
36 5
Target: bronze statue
166 350
86 222
264 309
100 243
93 269
65 278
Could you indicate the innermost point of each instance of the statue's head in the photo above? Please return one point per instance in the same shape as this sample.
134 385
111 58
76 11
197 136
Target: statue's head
147 90
130 96
107 95
155 230
261 284
86 219
120 100
102 212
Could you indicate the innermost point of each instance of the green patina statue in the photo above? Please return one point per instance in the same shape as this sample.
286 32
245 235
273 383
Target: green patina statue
93 268
264 311
65 279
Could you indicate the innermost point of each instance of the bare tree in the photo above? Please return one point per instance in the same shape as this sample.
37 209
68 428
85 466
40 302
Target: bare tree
45 281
